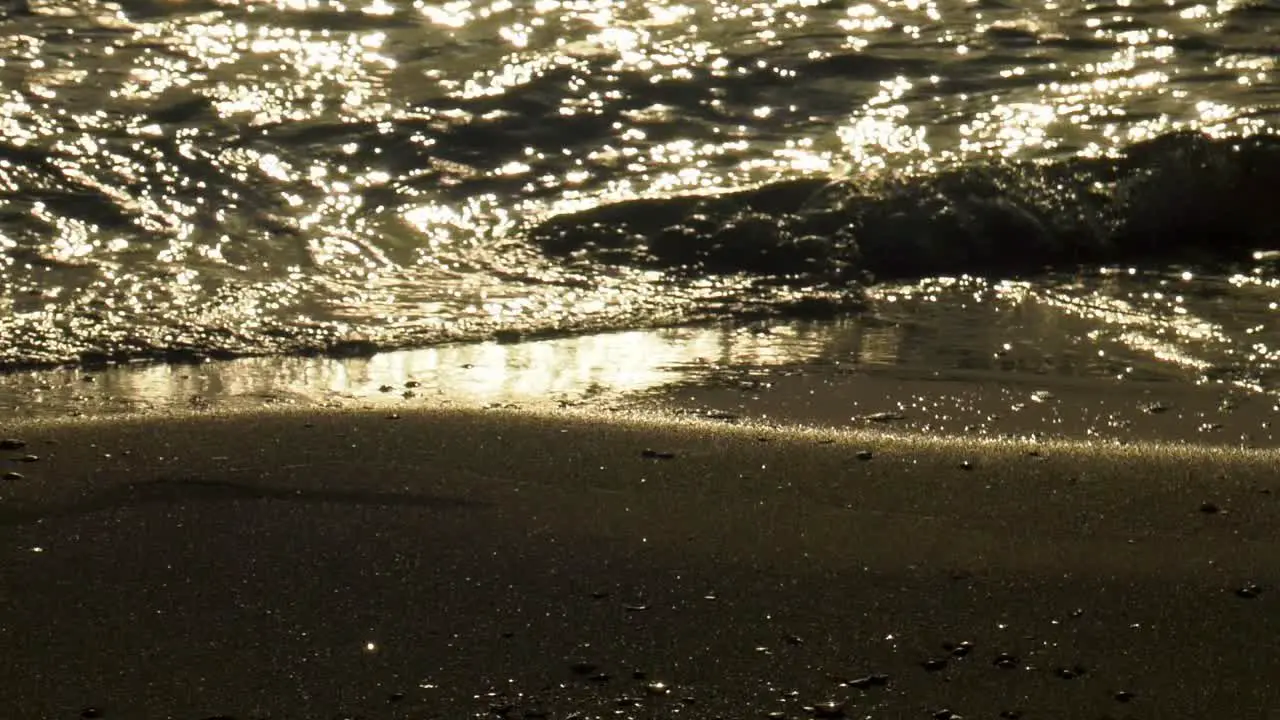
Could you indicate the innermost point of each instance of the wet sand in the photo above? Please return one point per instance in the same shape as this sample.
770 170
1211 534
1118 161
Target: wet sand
313 564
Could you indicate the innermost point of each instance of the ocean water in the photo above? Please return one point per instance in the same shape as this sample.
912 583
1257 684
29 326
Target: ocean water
205 179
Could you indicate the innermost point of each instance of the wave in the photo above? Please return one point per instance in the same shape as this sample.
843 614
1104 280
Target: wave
797 247
1178 198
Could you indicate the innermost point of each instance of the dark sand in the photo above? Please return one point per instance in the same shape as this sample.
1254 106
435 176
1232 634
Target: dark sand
454 564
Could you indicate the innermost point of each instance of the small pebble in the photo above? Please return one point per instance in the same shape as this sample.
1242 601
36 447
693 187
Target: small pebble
91 712
1208 508
966 465
13 476
1124 696
656 454
657 688
1069 673
829 709
1007 661
28 458
12 444
1249 592
864 455
934 664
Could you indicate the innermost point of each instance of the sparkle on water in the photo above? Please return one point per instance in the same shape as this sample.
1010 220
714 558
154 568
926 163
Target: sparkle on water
211 177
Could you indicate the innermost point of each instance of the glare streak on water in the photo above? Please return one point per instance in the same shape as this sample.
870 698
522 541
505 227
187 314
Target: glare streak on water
220 178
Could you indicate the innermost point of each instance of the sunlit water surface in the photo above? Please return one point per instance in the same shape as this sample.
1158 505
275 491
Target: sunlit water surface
181 180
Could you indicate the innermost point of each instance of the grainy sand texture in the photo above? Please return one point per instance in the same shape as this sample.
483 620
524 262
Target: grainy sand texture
451 563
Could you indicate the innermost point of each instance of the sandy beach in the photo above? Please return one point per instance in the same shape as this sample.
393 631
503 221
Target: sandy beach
451 563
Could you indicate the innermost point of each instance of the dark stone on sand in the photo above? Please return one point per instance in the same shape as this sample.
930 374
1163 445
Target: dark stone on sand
1249 592
656 454
946 715
864 455
1208 508
582 667
1123 696
1007 661
395 697
934 664
776 715
12 444
92 712
601 677
412 384
962 649
794 640
28 458
13 476
385 388
869 681
636 607
966 465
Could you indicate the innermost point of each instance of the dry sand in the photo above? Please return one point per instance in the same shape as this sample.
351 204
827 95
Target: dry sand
312 564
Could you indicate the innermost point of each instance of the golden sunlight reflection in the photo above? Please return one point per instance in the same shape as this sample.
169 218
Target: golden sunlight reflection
537 373
942 327
231 178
